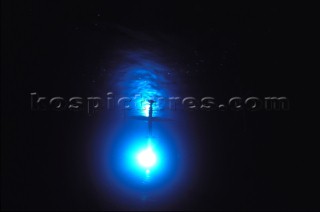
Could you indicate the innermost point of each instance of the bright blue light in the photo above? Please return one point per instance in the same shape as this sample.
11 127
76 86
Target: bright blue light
146 110
147 158
132 161
143 160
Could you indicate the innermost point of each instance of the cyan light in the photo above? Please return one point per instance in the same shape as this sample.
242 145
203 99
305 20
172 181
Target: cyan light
146 107
147 158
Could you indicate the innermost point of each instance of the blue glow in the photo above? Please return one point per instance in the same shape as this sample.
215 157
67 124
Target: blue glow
123 178
131 165
144 157
146 109
141 77
147 158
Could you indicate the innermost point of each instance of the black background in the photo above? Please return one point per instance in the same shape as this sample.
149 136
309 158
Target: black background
56 48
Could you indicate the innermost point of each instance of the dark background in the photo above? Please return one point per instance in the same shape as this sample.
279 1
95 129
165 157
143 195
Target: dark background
265 160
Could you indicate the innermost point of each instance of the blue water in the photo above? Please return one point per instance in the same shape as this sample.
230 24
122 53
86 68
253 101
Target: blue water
141 76
146 75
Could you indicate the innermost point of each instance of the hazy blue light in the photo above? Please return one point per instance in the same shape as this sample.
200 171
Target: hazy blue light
147 158
145 109
144 156
134 166
140 76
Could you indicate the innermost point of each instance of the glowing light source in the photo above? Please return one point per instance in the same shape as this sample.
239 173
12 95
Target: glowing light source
146 109
147 158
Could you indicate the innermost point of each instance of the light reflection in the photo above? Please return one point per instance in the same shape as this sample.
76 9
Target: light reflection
140 74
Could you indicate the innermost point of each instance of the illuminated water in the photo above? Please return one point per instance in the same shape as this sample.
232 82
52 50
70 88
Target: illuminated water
142 77
124 151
